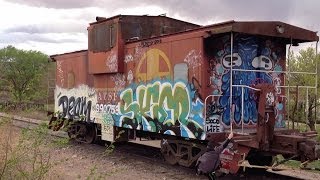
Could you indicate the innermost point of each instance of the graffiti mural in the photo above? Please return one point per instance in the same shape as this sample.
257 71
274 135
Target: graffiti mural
158 94
76 103
249 53
161 107
75 107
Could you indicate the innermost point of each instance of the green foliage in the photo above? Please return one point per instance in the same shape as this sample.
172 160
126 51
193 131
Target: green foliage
61 142
297 164
304 106
21 73
305 61
30 158
109 149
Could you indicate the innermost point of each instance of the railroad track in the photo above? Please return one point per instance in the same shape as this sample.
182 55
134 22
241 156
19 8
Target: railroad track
23 122
140 150
136 148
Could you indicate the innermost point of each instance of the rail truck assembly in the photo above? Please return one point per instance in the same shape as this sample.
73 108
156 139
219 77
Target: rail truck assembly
185 84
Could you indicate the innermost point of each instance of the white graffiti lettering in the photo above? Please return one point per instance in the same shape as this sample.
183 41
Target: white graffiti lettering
128 58
270 98
130 77
212 124
119 81
193 59
60 72
112 62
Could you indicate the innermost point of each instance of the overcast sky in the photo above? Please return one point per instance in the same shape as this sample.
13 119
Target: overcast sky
59 26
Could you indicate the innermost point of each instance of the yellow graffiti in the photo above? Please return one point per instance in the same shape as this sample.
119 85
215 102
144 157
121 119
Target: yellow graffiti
152 59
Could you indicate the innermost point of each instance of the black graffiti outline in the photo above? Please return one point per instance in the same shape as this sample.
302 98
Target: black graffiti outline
76 108
150 43
195 86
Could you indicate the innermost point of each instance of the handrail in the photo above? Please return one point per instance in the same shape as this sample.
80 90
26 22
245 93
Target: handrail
282 72
245 86
242 104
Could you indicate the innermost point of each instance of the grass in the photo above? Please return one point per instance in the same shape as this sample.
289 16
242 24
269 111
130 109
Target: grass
302 127
31 113
297 164
26 153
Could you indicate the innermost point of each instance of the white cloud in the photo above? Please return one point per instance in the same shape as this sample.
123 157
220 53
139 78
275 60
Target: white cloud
141 10
58 23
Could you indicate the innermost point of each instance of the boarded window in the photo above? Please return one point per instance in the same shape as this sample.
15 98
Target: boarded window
181 72
102 37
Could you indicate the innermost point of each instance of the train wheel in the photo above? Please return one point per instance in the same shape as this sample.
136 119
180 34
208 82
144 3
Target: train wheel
81 132
169 151
260 159
90 136
182 152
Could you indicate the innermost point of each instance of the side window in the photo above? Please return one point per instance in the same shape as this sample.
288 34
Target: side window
181 72
102 37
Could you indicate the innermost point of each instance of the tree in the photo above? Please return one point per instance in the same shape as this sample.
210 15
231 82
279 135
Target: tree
21 72
305 62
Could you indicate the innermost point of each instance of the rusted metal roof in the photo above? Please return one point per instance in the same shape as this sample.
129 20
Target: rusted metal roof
52 57
101 19
267 28
263 28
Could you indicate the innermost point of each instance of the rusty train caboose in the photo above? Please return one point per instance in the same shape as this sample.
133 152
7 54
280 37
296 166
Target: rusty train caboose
161 77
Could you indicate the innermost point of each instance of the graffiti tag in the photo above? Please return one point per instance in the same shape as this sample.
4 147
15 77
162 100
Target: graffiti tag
150 43
193 59
75 108
128 58
164 102
112 62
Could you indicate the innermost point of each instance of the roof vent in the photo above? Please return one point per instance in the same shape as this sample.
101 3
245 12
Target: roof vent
98 18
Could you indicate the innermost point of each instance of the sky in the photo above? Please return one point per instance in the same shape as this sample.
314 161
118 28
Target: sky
59 26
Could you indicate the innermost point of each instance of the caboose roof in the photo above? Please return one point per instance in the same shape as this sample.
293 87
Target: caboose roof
265 28
120 16
53 57
291 34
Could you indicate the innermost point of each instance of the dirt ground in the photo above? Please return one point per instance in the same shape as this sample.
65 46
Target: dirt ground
90 161
82 161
